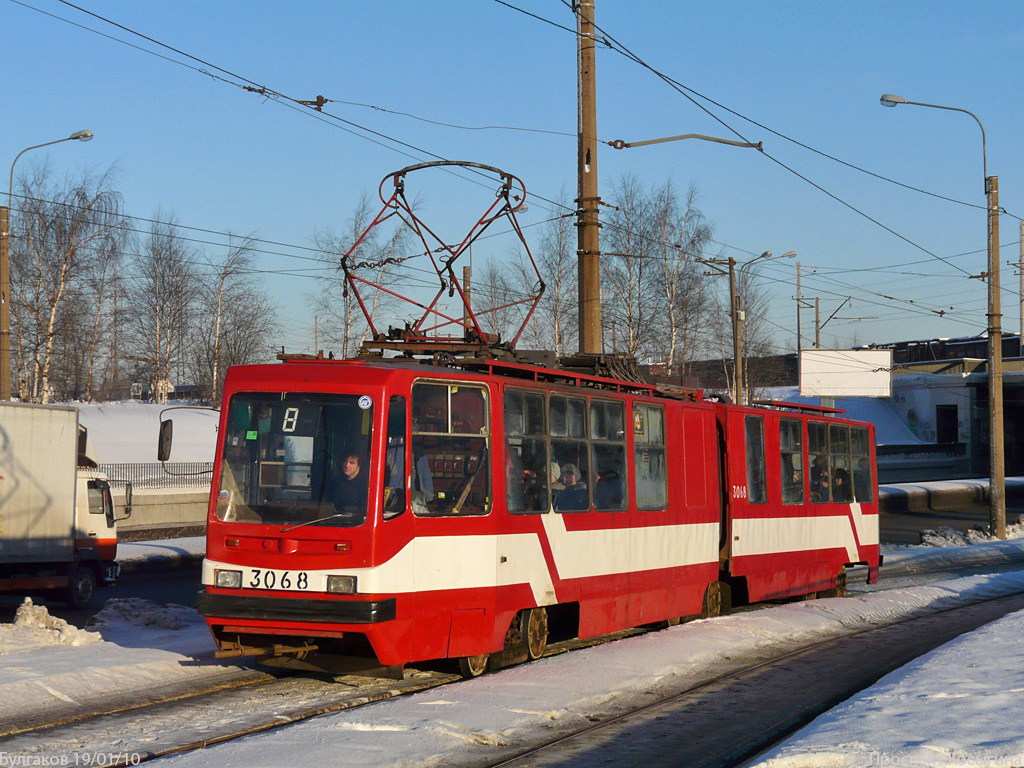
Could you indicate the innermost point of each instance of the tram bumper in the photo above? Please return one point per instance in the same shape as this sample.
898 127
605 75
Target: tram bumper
336 636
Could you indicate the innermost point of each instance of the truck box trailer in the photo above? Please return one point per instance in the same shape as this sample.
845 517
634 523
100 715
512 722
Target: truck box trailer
58 534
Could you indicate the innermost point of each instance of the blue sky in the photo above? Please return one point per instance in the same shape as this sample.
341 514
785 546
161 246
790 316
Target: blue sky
223 159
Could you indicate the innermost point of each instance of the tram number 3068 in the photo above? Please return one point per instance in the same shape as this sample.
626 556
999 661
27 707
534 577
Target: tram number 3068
257 578
739 491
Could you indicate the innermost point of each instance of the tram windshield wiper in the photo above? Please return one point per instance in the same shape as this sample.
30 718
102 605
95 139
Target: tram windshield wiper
314 522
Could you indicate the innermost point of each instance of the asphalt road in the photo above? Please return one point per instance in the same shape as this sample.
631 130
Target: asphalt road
905 527
174 586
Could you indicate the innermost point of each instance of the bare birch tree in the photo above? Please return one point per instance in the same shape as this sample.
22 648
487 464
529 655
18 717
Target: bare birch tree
161 300
377 259
243 319
60 232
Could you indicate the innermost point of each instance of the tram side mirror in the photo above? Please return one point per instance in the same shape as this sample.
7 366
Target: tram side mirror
127 501
163 452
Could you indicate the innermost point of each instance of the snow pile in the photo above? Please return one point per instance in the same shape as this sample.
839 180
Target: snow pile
945 536
139 612
953 706
34 627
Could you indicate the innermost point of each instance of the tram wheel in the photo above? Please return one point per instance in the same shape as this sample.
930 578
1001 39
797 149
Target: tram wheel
712 601
839 590
473 666
537 632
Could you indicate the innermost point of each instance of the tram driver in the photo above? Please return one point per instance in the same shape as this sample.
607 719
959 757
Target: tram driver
348 488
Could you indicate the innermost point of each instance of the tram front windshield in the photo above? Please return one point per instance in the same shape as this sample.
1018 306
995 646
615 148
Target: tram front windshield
296 459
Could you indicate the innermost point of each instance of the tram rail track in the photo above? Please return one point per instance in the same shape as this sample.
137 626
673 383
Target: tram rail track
291 699
658 723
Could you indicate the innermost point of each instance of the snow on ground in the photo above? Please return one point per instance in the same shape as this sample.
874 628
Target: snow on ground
144 648
123 432
133 553
955 706
135 647
464 723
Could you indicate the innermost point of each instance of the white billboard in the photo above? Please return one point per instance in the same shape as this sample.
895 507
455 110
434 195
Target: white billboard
846 372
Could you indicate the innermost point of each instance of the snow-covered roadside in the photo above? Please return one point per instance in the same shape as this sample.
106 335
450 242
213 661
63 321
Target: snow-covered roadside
137 651
955 706
134 651
158 553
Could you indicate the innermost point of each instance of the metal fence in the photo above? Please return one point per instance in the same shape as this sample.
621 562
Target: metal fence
172 474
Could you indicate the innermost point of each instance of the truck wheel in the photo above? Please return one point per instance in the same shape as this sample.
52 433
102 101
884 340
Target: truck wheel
81 587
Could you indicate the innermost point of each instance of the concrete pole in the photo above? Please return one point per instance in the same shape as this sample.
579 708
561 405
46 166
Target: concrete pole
589 250
737 330
817 323
799 304
997 468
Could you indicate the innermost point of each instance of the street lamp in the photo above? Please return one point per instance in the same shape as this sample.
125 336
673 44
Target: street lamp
997 469
738 317
5 271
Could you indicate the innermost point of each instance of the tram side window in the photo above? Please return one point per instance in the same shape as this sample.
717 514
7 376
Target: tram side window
756 481
842 477
608 446
863 481
571 492
450 450
393 502
526 452
649 457
817 449
791 449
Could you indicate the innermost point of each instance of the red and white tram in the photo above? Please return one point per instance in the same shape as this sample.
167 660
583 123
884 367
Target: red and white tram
369 514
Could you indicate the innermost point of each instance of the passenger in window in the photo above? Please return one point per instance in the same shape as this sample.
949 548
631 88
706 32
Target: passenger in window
573 491
348 488
608 490
515 498
819 481
841 490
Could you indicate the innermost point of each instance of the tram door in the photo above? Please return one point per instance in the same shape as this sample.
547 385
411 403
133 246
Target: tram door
451 500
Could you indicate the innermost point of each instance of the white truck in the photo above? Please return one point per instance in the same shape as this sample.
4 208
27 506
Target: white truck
58 535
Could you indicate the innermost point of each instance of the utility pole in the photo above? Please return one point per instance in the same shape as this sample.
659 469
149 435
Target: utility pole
817 323
799 300
997 479
467 318
737 333
1020 267
589 250
737 322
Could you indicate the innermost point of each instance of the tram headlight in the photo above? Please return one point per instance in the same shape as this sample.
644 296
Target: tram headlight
227 579
341 585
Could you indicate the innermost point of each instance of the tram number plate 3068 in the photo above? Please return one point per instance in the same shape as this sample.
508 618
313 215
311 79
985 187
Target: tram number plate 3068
263 578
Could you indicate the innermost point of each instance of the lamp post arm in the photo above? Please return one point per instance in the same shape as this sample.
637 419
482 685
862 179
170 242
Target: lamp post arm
984 151
10 187
620 144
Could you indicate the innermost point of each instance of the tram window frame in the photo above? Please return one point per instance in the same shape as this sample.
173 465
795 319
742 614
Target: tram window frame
395 488
649 449
791 455
818 449
608 455
527 450
570 446
840 463
863 471
757 475
444 458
